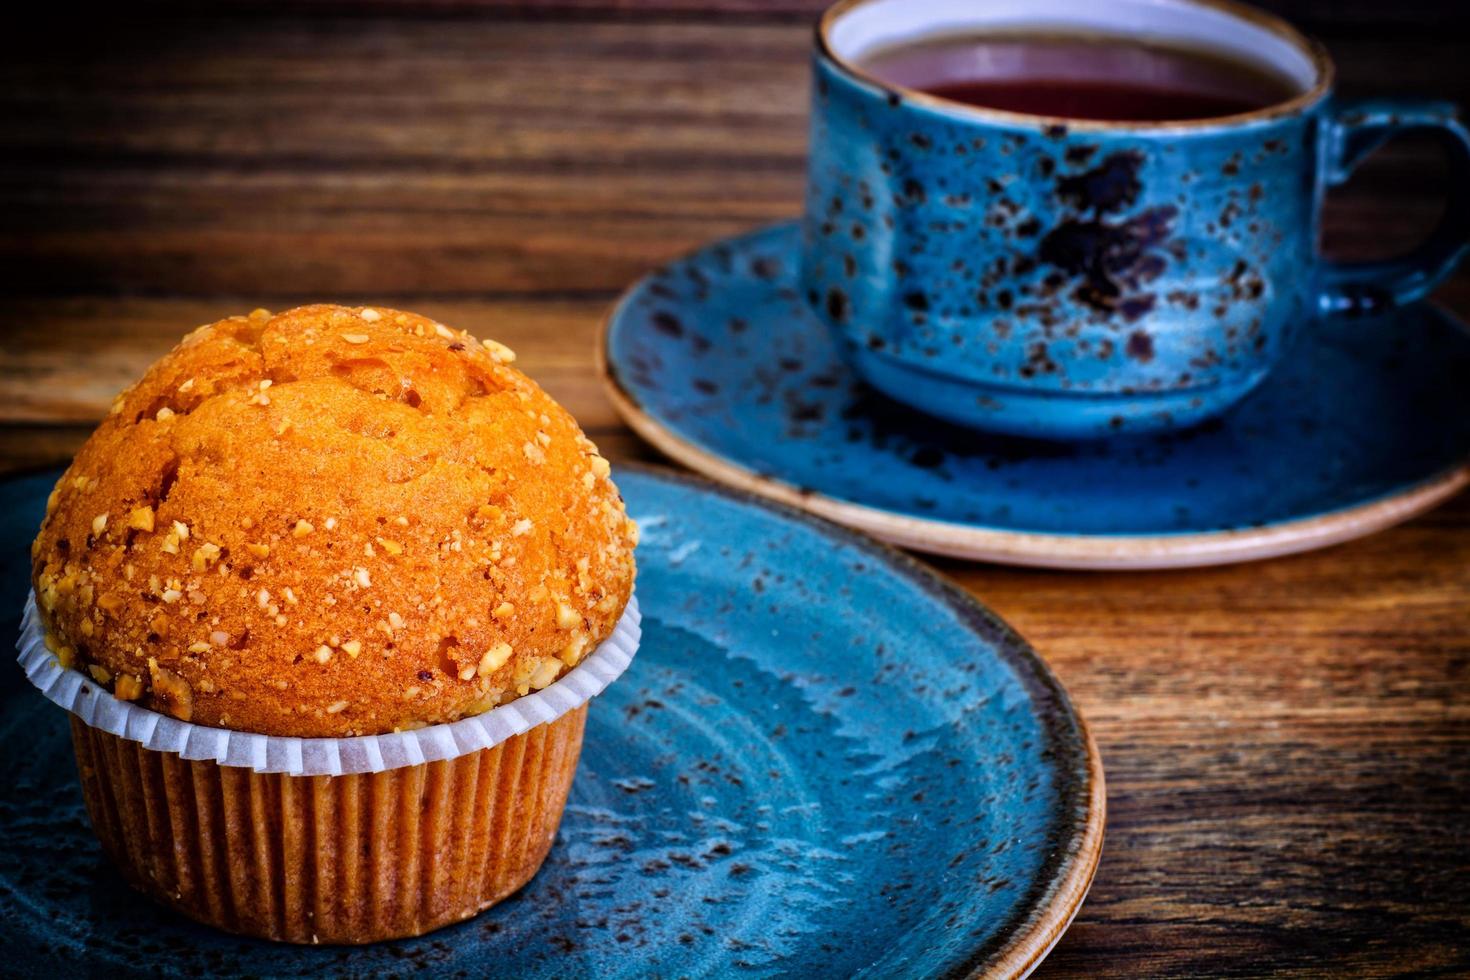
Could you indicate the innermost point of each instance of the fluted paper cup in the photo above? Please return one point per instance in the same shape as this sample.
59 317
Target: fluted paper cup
329 840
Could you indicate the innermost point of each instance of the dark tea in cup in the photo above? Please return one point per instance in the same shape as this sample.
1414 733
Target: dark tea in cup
1080 77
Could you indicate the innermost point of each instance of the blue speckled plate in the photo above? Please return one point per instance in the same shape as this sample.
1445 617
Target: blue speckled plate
716 361
824 762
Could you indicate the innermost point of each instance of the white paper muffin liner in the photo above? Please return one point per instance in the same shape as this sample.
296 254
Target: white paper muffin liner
97 707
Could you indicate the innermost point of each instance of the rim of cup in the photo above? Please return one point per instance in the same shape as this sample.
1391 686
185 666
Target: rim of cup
851 29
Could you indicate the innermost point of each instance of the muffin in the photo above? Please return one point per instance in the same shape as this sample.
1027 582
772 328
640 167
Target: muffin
331 524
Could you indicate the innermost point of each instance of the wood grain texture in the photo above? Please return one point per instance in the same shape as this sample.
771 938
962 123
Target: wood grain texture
1334 15
1287 743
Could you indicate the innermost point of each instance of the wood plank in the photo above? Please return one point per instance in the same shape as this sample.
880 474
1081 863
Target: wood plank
360 158
375 157
1337 15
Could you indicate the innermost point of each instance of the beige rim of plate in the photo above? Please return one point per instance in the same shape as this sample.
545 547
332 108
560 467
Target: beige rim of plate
1073 551
1025 954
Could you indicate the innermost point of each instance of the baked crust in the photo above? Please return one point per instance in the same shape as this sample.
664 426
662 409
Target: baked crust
332 522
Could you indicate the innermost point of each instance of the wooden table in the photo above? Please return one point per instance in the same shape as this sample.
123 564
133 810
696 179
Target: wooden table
1287 743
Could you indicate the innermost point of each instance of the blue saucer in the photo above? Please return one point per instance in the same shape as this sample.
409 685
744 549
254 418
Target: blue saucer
824 762
716 361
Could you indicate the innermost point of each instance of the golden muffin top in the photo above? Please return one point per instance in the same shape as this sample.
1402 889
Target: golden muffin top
332 522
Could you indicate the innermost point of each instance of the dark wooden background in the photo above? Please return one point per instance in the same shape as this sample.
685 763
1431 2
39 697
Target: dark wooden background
1287 743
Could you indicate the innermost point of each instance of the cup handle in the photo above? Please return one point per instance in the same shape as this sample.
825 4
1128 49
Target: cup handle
1354 129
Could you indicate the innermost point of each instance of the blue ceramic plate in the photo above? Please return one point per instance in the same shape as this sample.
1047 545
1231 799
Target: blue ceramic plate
824 762
716 361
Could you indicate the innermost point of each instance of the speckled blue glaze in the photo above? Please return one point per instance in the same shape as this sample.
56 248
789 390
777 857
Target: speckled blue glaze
720 350
824 762
1043 279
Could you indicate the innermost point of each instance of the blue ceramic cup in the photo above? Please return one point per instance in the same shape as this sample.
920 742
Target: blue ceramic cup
1067 279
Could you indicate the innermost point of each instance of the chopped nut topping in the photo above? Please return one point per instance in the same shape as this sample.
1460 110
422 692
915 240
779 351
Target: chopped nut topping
302 529
522 526
259 550
336 707
572 652
323 654
545 672
141 518
494 658
567 617
110 602
330 524
182 530
395 620
219 638
392 547
186 386
171 595
600 466
371 315
521 677
362 578
356 338
164 414
99 524
504 611
444 332
99 673
499 351
533 452
199 647
205 555
171 692
127 688
352 648
467 673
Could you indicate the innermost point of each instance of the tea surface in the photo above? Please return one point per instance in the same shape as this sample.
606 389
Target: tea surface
1095 78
